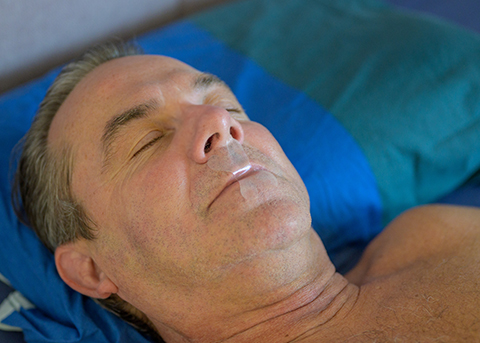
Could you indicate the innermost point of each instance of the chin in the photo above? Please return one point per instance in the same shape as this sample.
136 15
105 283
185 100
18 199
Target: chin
272 226
282 222
272 219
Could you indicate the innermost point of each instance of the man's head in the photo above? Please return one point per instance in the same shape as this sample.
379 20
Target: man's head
140 212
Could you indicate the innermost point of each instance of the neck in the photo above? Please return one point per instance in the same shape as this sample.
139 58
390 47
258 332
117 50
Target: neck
279 297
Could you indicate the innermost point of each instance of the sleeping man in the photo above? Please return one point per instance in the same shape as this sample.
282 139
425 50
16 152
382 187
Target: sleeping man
161 199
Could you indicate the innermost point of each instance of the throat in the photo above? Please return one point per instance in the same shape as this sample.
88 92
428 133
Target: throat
305 316
284 296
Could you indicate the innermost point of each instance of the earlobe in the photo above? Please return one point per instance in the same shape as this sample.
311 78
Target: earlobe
78 270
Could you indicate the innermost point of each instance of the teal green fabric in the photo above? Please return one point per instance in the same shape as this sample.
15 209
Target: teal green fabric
406 86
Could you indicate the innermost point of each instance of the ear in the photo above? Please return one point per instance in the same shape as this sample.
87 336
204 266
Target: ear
78 270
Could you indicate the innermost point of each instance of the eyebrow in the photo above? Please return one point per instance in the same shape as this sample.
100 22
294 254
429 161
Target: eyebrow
207 80
115 125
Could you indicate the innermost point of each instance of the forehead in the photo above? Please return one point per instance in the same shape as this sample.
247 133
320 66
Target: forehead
114 85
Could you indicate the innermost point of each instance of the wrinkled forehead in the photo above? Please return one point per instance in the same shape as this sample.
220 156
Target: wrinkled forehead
111 87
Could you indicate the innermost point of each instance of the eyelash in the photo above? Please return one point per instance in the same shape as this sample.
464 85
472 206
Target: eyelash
148 145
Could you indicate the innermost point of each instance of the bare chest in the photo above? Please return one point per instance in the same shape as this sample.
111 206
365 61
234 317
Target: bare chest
424 303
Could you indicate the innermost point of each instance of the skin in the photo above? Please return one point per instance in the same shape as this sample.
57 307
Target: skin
177 240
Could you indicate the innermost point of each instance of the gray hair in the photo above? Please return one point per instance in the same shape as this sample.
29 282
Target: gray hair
42 194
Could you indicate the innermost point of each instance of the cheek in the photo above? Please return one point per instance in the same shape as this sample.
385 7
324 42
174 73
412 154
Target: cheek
150 199
260 138
159 183
145 244
258 135
152 215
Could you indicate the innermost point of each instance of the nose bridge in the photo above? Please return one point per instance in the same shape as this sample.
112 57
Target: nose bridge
211 127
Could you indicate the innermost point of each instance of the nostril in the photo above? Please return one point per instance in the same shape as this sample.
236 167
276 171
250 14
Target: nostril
236 132
208 145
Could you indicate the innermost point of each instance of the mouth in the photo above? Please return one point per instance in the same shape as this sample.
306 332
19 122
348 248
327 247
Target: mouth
236 177
241 173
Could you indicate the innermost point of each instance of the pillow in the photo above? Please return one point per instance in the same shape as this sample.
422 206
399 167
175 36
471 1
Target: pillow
377 109
405 87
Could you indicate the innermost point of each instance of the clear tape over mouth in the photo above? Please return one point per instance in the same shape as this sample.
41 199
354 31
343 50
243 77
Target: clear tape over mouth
253 186
232 159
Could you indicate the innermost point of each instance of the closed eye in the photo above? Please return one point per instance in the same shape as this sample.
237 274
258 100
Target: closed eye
237 113
148 144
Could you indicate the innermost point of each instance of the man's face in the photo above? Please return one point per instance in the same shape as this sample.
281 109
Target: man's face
142 130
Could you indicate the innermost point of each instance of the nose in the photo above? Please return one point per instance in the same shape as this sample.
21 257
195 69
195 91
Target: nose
212 128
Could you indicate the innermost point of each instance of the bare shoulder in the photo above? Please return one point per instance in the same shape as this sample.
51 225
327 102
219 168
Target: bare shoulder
422 234
420 279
